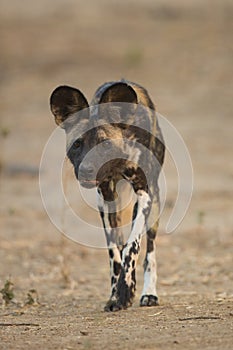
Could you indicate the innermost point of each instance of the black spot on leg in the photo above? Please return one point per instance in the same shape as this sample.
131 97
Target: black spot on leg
113 280
150 246
102 218
151 234
145 264
125 293
134 276
127 262
135 210
111 254
134 249
116 268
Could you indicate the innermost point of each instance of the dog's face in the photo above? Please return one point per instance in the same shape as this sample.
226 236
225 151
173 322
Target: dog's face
96 135
96 155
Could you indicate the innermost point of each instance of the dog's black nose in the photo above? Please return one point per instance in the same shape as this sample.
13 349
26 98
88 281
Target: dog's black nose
86 171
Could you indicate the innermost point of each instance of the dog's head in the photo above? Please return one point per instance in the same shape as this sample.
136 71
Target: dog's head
96 134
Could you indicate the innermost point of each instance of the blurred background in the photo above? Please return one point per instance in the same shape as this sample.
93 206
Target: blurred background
180 51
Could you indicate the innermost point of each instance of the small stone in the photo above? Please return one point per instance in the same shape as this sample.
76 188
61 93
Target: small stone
84 332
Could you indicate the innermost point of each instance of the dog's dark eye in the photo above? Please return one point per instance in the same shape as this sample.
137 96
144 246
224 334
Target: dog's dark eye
77 143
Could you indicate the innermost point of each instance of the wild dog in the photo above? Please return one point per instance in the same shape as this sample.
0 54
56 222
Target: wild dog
120 131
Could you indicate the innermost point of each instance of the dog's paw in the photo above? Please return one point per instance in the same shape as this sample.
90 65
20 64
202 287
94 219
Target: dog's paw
113 305
149 300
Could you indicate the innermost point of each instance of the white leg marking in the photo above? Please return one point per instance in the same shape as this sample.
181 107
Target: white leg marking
150 275
139 222
136 235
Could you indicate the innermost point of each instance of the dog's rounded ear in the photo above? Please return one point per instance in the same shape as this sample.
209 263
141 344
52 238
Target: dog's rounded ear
65 101
121 103
119 92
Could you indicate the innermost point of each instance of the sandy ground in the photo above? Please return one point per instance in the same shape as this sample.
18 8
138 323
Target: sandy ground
182 53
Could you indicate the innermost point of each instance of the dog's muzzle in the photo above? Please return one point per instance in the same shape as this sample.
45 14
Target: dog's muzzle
86 176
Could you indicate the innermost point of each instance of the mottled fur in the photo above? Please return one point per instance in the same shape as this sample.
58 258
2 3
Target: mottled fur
115 131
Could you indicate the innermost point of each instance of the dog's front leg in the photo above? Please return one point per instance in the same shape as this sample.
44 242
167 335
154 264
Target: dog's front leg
110 219
127 281
149 294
